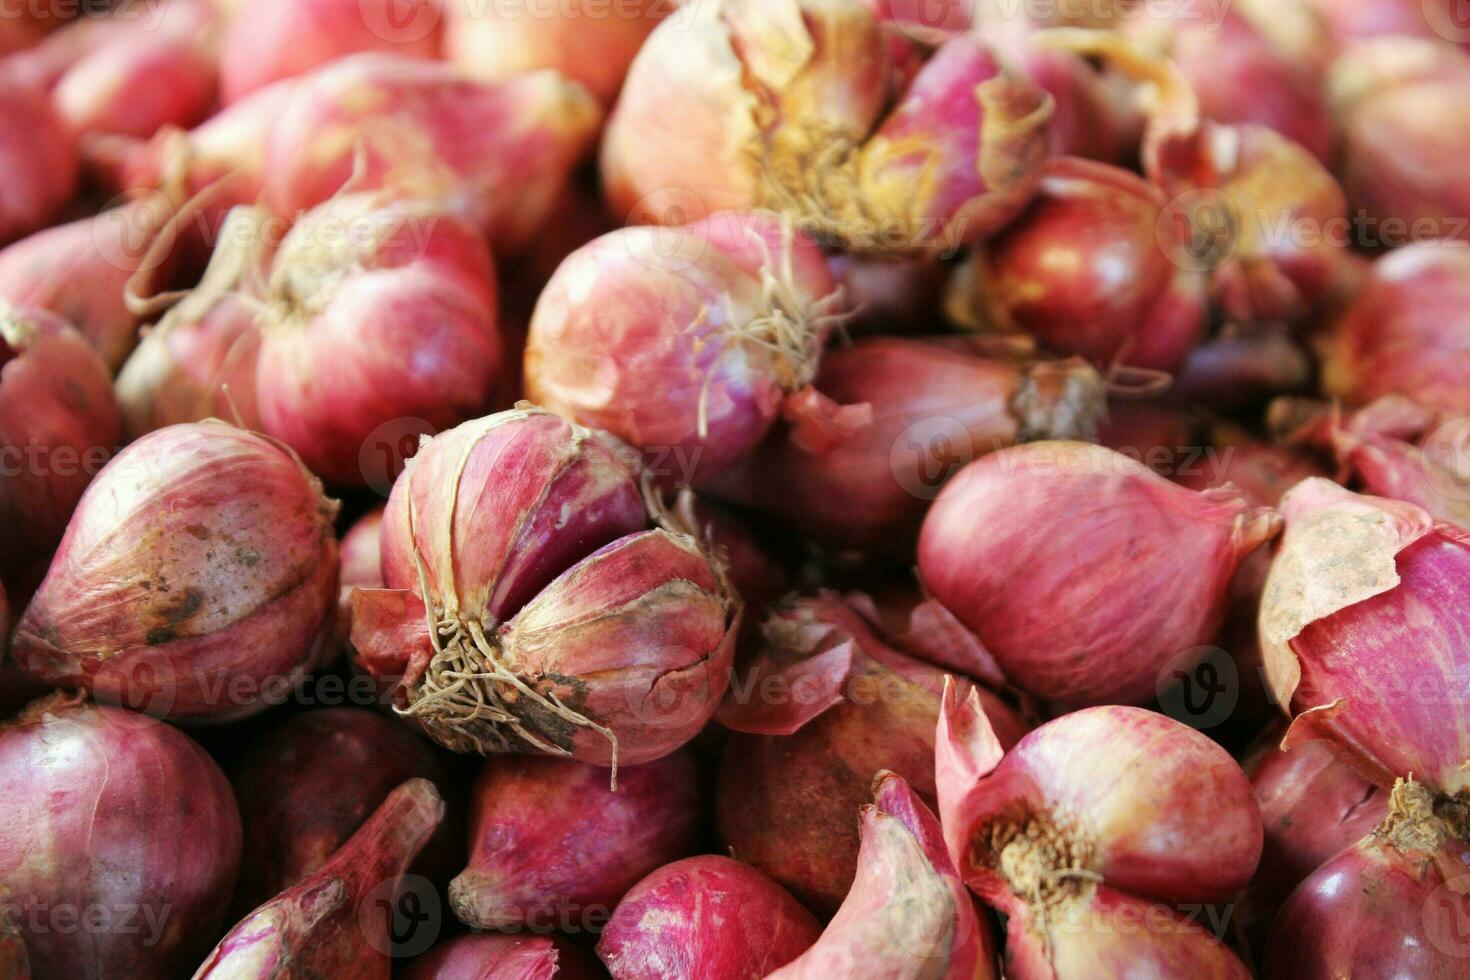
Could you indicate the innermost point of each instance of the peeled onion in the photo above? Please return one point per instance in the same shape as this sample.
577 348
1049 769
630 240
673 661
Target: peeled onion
195 581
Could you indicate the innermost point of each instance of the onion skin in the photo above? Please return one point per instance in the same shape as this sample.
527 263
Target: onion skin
1074 835
908 913
360 552
588 43
1406 333
279 39
806 749
58 424
39 158
490 956
1082 270
1312 806
889 420
981 556
115 812
550 840
500 153
623 338
334 923
563 544
307 785
182 594
705 918
1369 652
374 313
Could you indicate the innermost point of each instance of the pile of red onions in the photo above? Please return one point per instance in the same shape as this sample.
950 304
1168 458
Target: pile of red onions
529 607
816 110
196 579
683 342
121 845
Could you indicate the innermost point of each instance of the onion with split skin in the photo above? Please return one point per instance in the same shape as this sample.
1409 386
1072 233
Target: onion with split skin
1092 832
530 608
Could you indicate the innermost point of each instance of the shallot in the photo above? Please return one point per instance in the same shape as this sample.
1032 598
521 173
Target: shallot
495 956
38 156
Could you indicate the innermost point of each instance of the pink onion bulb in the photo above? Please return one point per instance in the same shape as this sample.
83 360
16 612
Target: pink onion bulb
750 104
1023 532
823 705
685 342
269 40
908 913
38 157
1364 634
516 548
122 841
709 916
498 153
587 42
336 922
374 313
552 844
1091 831
495 956
197 574
59 423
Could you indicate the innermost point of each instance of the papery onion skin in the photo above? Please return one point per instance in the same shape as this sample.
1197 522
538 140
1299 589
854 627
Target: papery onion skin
39 158
117 817
499 153
360 553
1364 635
908 913
557 590
336 921
981 555
493 956
550 841
59 423
804 752
1082 270
586 42
889 421
1407 332
682 342
198 571
307 785
373 314
277 39
705 917
1074 835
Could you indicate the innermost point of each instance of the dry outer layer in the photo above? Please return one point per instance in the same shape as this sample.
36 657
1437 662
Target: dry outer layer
1044 861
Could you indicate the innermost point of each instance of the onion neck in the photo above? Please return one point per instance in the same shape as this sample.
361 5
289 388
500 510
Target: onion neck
1420 820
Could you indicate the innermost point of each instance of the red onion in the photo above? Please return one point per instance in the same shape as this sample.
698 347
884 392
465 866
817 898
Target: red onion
588 42
1312 806
683 342
756 575
1083 271
490 956
1242 366
336 922
360 552
888 421
705 916
1392 905
274 39
1158 436
1364 635
782 106
1397 103
374 313
519 541
908 913
307 785
38 158
552 845
499 153
1091 832
197 573
993 552
1408 332
122 841
889 296
58 425
825 705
